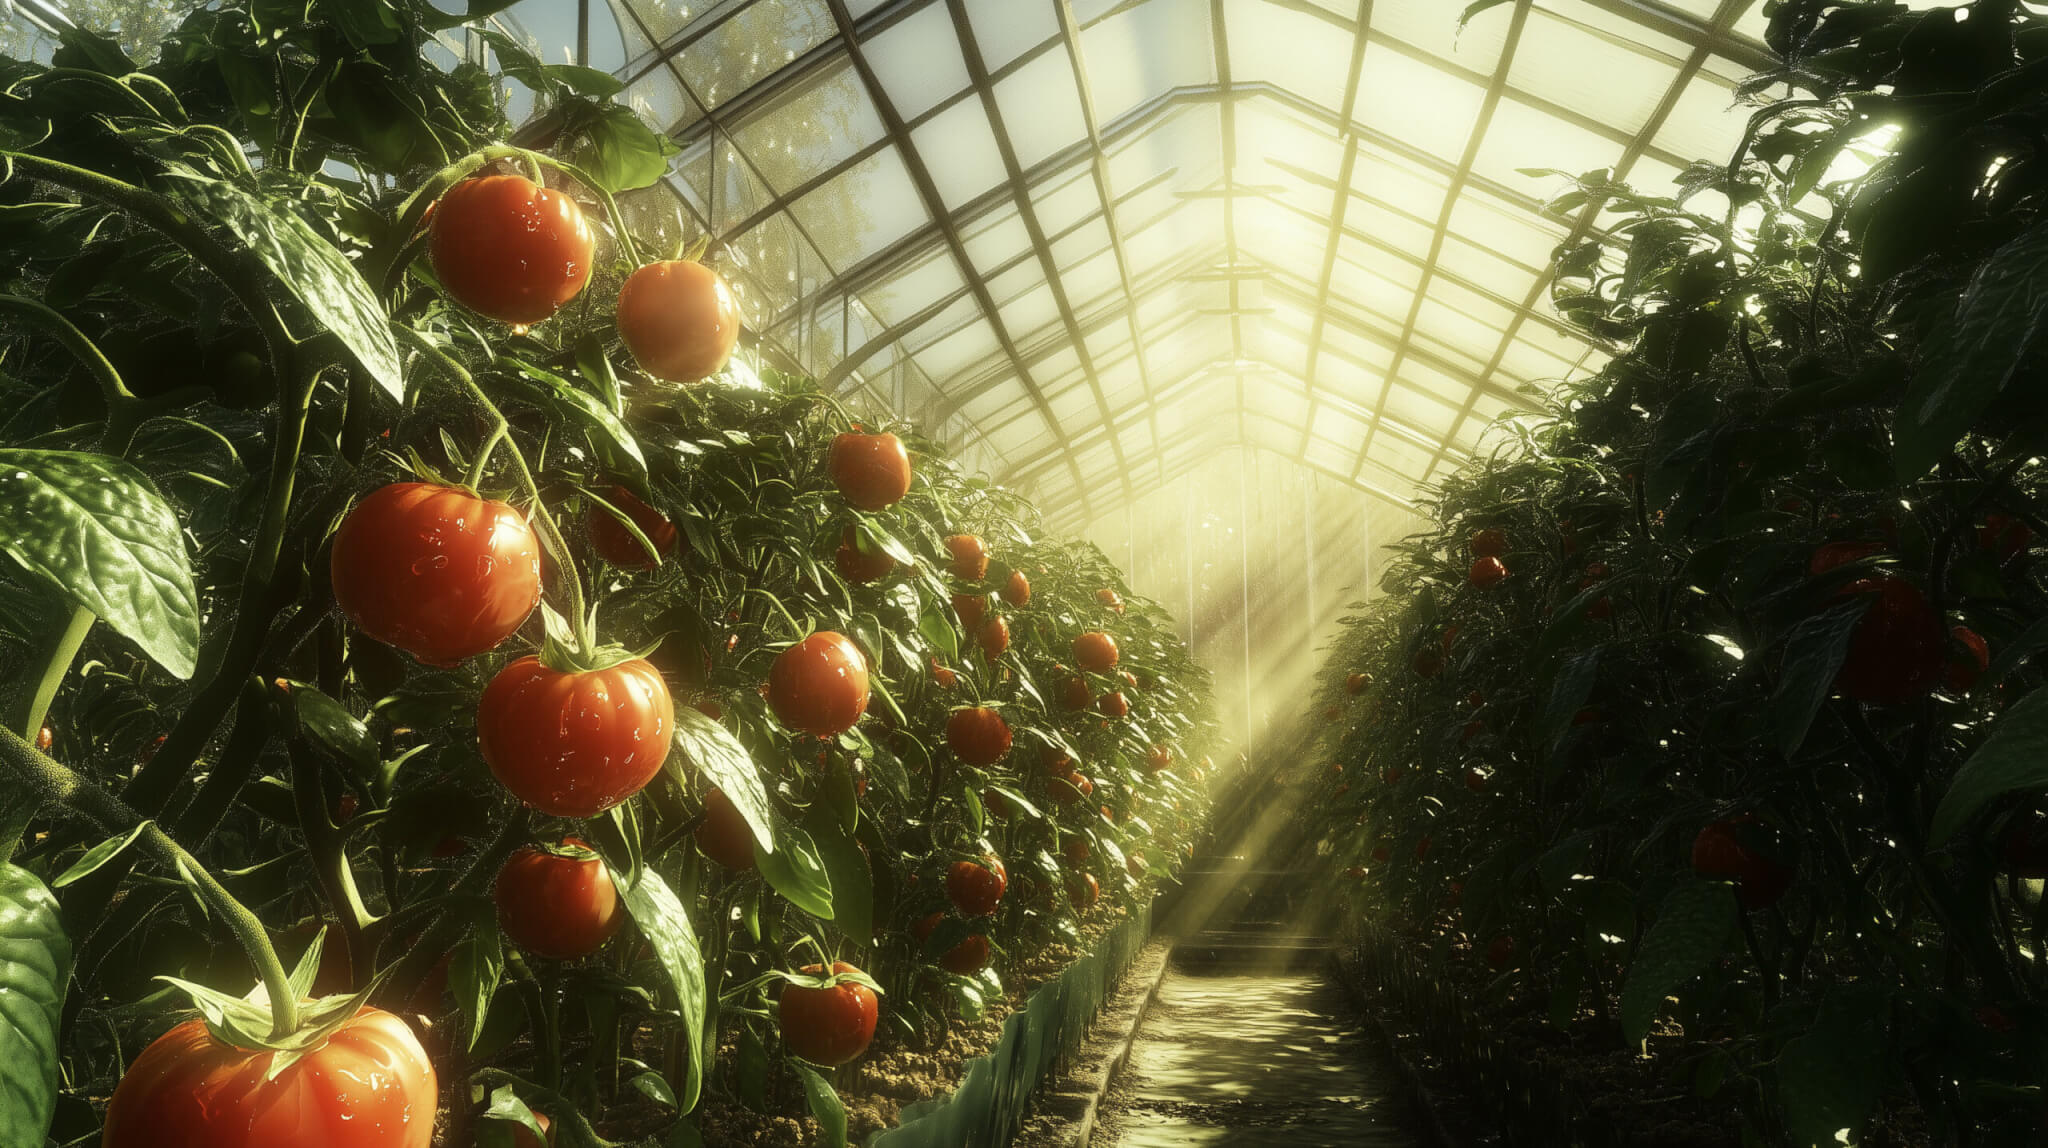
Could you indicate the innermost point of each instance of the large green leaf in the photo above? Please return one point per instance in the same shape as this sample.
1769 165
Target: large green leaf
1691 932
548 388
798 873
94 529
825 1105
35 964
720 757
846 870
662 917
1830 1078
306 265
1568 693
2015 756
622 152
1968 360
1813 655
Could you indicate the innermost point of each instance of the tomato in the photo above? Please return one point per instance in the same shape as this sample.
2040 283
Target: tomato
819 685
1490 543
679 319
1333 713
828 1026
970 557
45 737
1601 609
1969 658
1017 591
1159 759
510 249
1069 789
439 573
1472 729
1422 847
724 835
966 958
858 565
370 1086
1113 705
1083 889
872 471
1486 573
1835 554
1356 873
972 608
1074 694
616 545
1055 762
1429 662
978 736
1380 853
1095 651
575 744
1898 650
1741 849
521 1138
1110 599
994 637
944 676
2004 536
1356 683
1500 952
1475 781
556 906
974 889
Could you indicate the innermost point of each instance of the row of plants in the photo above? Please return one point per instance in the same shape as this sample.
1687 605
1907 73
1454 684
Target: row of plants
1698 738
416 613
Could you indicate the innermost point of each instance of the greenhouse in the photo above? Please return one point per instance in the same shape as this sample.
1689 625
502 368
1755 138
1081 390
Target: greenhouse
1039 573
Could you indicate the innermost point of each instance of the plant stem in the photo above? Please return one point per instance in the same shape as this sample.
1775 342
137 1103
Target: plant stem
52 783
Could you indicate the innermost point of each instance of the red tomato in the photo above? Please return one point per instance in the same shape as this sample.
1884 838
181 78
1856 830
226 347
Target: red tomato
1489 543
1017 591
441 574
966 958
1110 599
1333 713
679 319
1083 889
616 545
1074 694
521 1138
1159 759
1356 683
1095 651
976 890
724 835
575 744
1898 650
828 1026
370 1086
994 637
970 557
819 685
1486 573
1475 781
978 736
1055 763
1067 790
972 608
944 676
871 470
856 564
1740 849
1969 658
1422 848
1113 705
997 805
1429 662
510 249
555 906
45 737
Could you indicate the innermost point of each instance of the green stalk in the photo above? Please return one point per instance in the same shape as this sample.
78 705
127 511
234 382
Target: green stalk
52 783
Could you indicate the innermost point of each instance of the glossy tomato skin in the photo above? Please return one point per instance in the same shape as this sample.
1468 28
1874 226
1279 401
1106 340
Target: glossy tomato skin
370 1086
966 958
1017 591
872 471
978 736
1113 705
1740 849
554 906
1489 543
1486 573
974 889
1356 683
1110 599
1083 889
1095 651
680 320
994 637
1074 694
819 685
1898 650
616 545
575 744
724 834
436 572
828 1026
972 608
969 561
510 249
1969 658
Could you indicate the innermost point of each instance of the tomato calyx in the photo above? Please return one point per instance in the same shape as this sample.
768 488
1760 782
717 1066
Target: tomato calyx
561 654
246 1021
821 980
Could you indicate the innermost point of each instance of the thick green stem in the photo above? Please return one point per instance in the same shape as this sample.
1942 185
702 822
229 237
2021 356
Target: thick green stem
25 715
54 784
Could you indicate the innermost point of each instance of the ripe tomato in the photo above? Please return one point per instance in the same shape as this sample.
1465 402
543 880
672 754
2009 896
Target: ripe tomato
1083 889
820 685
616 545
521 1138
856 564
1740 849
1422 847
1898 650
1429 662
437 572
978 736
1159 759
1356 872
997 805
679 319
1069 789
724 835
972 608
45 737
1095 652
575 744
1074 694
970 557
966 958
1490 543
1110 599
510 249
370 1086
1113 705
974 889
1055 762
1969 658
1486 573
944 676
1475 781
994 637
1333 713
828 1026
1017 591
1356 683
556 906
871 470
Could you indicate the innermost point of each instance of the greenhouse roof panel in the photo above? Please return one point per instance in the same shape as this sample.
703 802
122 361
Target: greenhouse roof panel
1125 226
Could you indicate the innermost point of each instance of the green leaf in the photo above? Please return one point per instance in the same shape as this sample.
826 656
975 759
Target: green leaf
507 1108
99 855
661 916
825 1105
95 530
35 965
474 972
308 267
796 872
622 152
307 970
2014 756
1829 1079
720 757
1813 655
846 871
586 408
654 1086
1692 930
753 1071
1968 360
329 723
937 630
598 85
1568 692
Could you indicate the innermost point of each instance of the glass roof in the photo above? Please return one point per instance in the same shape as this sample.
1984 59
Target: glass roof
1092 242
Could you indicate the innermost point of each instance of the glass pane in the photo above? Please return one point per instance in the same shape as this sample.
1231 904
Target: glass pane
1065 200
1288 48
1618 84
1006 29
918 61
752 44
960 152
1522 137
863 210
997 239
659 96
1431 27
827 119
1706 123
915 288
1415 103
1090 283
1041 106
1143 52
